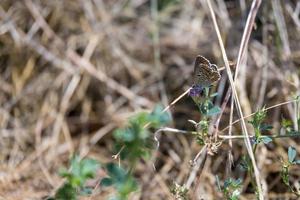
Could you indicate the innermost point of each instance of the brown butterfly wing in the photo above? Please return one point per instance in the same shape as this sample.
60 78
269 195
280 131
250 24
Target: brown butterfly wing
199 76
215 75
201 60
204 72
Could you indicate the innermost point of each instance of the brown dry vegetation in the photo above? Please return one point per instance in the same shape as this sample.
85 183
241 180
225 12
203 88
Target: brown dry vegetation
73 71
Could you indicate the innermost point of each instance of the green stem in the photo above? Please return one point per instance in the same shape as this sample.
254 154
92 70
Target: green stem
254 148
206 89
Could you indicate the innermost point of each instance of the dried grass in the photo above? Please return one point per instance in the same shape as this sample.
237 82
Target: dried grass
73 71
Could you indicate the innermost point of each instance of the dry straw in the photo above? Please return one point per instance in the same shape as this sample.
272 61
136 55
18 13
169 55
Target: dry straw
245 40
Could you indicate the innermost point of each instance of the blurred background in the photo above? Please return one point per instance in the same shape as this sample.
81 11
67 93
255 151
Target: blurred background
73 71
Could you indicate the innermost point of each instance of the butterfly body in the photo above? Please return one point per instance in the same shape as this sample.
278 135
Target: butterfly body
205 73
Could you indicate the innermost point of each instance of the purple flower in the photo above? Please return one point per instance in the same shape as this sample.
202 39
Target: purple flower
196 91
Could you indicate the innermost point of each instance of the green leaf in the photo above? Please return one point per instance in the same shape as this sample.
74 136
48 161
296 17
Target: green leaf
235 195
231 188
67 191
292 132
158 118
120 179
128 186
140 118
265 127
297 162
291 154
162 4
89 168
115 172
106 182
266 140
133 142
286 123
125 135
63 173
227 182
244 164
205 107
85 191
213 111
258 117
75 165
214 95
79 171
285 174
238 182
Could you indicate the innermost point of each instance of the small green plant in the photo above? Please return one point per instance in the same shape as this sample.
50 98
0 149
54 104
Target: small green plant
133 143
260 127
207 109
286 165
231 188
121 180
204 102
76 176
287 127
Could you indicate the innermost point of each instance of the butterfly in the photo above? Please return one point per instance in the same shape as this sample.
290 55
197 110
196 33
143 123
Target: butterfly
205 73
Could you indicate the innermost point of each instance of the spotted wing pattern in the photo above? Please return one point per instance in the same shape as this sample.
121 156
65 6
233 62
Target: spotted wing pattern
205 73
